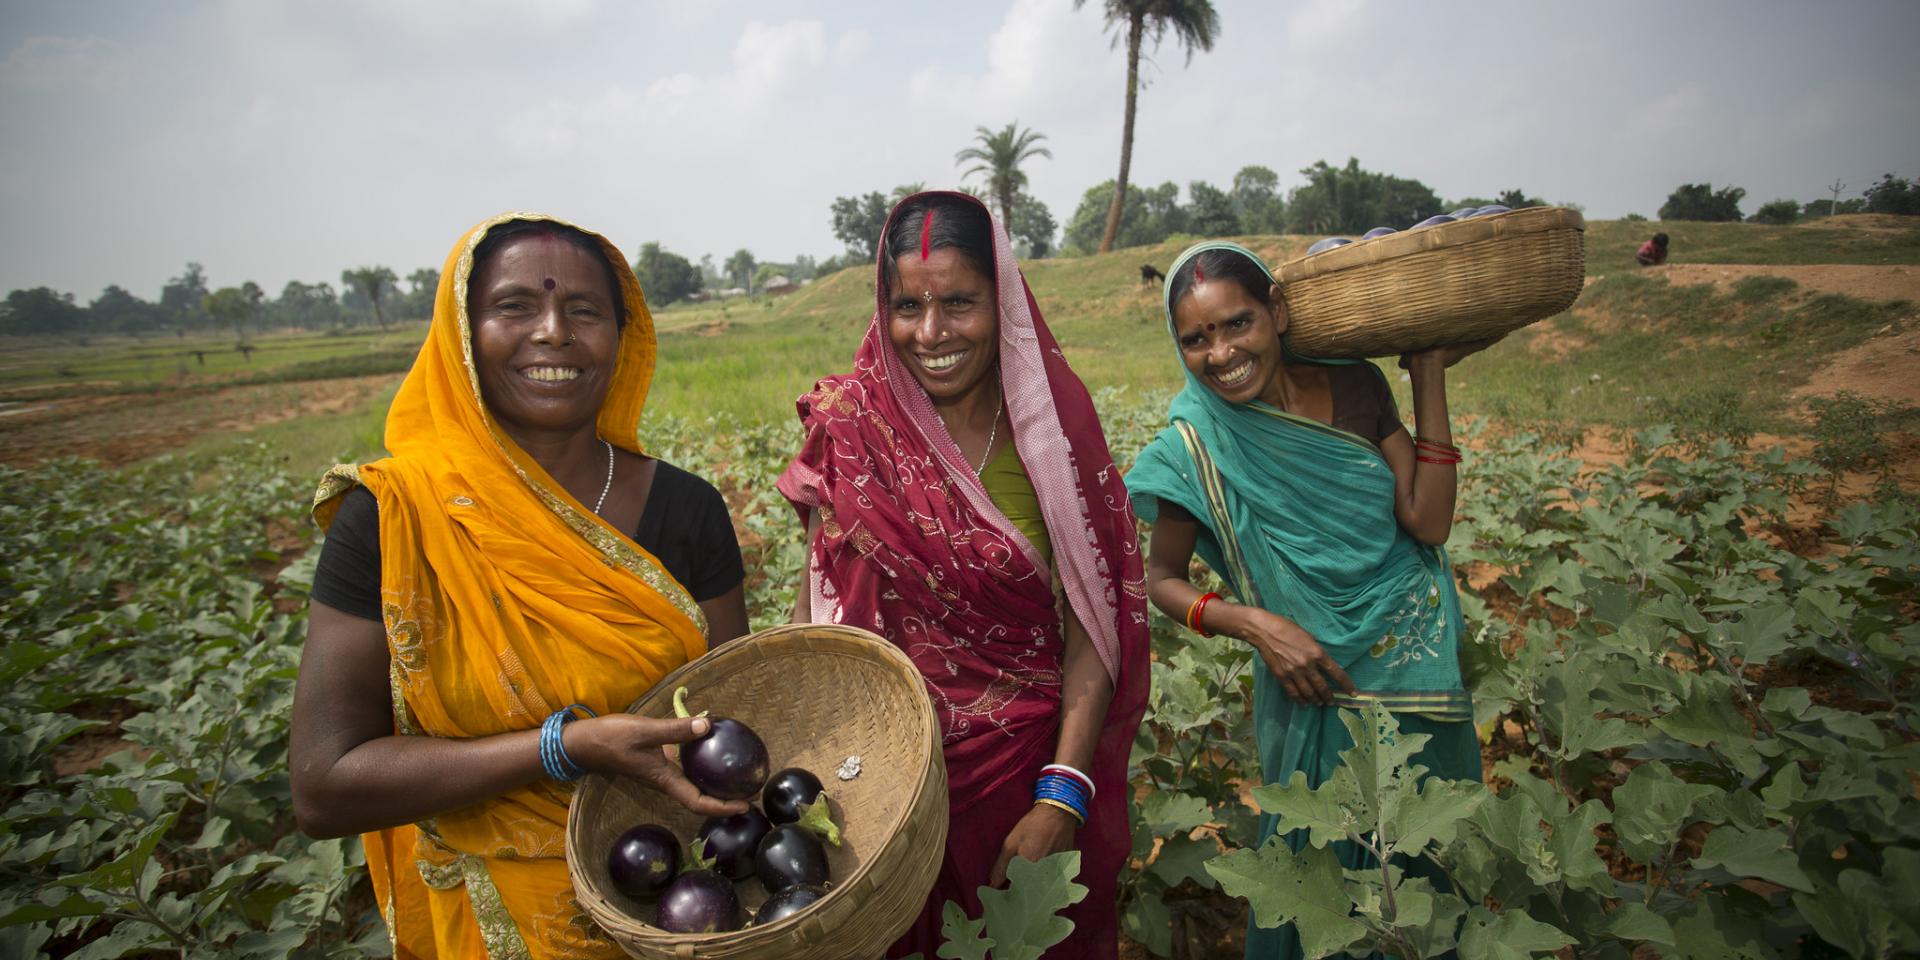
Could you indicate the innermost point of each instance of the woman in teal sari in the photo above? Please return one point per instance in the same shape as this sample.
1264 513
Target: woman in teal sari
1296 482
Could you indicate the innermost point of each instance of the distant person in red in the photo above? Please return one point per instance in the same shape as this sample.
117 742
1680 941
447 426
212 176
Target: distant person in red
1654 252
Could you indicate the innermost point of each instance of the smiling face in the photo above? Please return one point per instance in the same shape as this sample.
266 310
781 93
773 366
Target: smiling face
945 322
1231 341
545 338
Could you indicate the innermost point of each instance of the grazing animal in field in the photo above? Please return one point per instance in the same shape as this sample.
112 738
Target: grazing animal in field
1150 273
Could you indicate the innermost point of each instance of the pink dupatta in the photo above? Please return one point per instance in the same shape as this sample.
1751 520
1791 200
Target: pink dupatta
912 548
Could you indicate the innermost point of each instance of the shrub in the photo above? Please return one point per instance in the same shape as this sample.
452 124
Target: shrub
1846 436
1778 213
1699 201
1635 218
1894 195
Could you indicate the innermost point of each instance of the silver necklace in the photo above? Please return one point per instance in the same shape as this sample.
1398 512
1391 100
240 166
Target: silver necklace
982 468
597 504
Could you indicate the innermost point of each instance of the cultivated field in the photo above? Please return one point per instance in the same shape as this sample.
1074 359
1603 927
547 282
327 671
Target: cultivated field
1687 546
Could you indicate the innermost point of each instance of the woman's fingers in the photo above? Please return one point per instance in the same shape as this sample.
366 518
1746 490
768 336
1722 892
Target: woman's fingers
675 784
1337 675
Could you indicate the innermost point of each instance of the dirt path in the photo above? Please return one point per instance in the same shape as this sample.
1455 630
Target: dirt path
1862 282
119 429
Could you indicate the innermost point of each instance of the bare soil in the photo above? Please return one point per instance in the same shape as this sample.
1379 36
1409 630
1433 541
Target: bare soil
1886 367
123 428
1861 282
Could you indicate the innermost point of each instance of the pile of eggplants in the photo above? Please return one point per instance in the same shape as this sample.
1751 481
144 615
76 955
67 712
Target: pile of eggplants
1461 214
781 843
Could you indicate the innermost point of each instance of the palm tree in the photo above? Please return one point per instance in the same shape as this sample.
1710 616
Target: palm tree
998 159
374 283
1194 22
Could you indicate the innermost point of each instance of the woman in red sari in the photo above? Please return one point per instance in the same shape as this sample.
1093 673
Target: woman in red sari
960 501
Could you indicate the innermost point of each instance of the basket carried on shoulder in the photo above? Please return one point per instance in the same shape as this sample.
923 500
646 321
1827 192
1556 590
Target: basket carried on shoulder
1456 282
816 694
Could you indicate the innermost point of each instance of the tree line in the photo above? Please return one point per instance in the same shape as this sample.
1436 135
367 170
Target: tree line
1700 201
366 296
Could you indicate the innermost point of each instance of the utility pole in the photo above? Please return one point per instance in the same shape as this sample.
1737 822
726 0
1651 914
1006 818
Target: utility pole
1836 188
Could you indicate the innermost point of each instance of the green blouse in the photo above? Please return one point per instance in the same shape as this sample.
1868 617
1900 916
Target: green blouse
1009 488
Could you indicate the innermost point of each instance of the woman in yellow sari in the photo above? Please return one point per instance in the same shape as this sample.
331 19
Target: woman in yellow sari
511 594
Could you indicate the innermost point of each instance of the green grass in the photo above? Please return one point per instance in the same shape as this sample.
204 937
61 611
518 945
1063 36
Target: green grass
118 364
1734 354
1657 348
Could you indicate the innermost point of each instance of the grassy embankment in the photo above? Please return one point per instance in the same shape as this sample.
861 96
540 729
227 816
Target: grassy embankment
1655 347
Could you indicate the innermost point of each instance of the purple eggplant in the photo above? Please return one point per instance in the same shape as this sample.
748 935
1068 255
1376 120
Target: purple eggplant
731 842
644 860
1328 244
788 792
788 902
1491 209
1378 232
1462 213
730 762
1433 221
699 901
790 855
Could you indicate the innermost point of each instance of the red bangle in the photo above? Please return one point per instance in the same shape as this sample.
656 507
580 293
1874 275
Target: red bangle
1198 611
1423 458
1435 444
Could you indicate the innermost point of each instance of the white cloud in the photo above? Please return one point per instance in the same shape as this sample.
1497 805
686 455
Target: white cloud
45 64
851 46
1317 23
1677 111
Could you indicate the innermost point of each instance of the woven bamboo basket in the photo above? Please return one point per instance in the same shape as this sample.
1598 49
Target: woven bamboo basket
1453 283
816 694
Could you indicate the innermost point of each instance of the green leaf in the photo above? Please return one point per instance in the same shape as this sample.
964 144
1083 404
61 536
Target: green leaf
1315 809
1181 858
1709 931
965 939
1435 814
1170 813
70 905
1573 846
1651 807
1148 922
1761 854
1306 889
1634 921
1022 920
1509 936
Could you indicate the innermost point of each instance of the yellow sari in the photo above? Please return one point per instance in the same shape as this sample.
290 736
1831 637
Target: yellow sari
504 599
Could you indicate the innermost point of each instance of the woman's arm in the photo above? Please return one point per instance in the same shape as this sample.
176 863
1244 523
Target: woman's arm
351 774
726 615
803 594
1424 492
1086 690
1296 659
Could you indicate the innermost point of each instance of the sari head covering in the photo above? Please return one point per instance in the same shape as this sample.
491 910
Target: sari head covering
911 547
504 599
1298 518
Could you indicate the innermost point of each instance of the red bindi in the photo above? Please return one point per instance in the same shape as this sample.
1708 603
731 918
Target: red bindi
548 283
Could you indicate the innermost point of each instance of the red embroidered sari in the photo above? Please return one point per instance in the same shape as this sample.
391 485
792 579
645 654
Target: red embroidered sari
911 547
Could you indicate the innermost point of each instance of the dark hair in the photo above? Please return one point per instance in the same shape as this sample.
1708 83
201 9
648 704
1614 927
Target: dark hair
1222 265
957 223
1659 239
501 235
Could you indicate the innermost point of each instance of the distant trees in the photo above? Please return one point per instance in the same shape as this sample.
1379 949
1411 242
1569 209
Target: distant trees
235 307
422 286
666 276
1152 214
1194 23
41 310
740 269
1351 200
1699 201
376 284
858 221
997 159
183 299
1827 208
1518 200
1894 195
117 311
1256 200
1777 212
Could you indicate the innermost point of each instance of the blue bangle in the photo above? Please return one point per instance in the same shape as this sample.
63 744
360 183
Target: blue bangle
553 752
1063 790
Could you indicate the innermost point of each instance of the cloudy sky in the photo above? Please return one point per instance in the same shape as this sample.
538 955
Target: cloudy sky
272 140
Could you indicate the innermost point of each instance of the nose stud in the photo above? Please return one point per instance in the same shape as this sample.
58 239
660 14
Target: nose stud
571 338
926 295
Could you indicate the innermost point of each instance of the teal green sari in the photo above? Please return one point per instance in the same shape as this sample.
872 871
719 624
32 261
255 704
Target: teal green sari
1298 518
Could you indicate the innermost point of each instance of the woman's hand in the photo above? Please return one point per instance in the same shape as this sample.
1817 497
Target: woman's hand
1045 830
625 745
1435 359
1296 659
